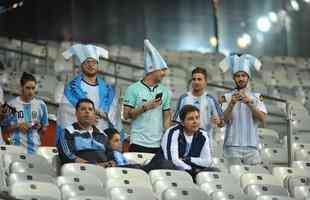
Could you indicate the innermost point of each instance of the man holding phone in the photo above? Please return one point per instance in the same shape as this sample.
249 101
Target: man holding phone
244 110
147 104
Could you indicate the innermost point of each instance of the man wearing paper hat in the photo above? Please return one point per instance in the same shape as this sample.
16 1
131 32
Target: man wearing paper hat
88 85
146 102
243 111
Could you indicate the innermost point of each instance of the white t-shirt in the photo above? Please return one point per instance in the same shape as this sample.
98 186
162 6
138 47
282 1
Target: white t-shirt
92 92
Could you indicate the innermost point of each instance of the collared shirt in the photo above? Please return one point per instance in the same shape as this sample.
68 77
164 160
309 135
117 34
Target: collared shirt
241 129
174 147
89 144
208 106
147 128
28 112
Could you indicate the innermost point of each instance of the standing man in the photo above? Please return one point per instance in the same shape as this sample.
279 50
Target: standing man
244 110
88 85
211 114
30 121
146 102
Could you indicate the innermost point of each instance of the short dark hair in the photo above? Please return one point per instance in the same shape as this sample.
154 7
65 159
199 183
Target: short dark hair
84 100
200 70
187 109
111 132
27 77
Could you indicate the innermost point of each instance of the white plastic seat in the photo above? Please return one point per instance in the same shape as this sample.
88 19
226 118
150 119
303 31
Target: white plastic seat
275 155
79 180
302 154
4 149
183 194
161 185
73 190
129 181
301 192
273 197
296 181
23 177
36 160
73 169
170 175
282 173
34 189
205 177
215 186
30 167
238 170
220 163
221 195
51 155
130 193
88 198
304 165
258 190
258 179
138 158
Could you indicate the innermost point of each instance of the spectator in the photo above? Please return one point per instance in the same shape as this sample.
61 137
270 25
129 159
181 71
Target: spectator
88 85
30 121
146 103
244 110
211 114
83 142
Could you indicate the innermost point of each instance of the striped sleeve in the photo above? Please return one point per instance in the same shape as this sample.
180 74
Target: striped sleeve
67 146
176 117
44 117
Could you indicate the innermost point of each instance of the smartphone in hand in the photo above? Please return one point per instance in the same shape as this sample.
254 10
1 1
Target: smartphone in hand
159 96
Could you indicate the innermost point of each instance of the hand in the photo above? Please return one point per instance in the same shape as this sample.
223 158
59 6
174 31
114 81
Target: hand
246 99
36 125
23 127
215 120
235 97
107 164
152 104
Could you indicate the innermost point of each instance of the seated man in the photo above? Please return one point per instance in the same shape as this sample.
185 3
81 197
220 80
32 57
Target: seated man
82 142
186 145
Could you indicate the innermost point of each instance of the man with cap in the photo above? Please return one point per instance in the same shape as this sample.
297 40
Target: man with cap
146 103
88 85
244 110
211 114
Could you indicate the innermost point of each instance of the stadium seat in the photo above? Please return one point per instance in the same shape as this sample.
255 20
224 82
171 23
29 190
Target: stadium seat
302 155
238 170
273 197
275 155
170 175
304 165
138 158
5 149
74 190
35 160
35 190
88 198
296 181
124 173
301 192
76 169
130 193
51 155
258 179
282 173
220 163
24 177
161 185
183 194
227 186
205 177
221 195
31 167
79 180
257 190
129 181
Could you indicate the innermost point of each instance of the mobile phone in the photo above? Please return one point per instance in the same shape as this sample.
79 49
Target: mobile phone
159 96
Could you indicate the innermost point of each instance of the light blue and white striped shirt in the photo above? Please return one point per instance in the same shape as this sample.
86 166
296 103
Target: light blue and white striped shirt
28 112
241 129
